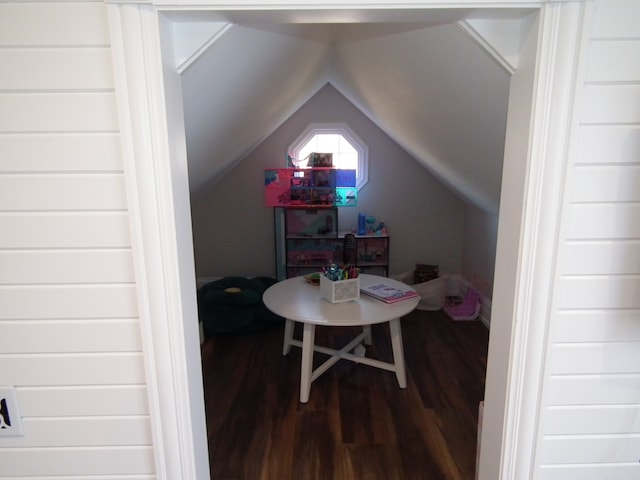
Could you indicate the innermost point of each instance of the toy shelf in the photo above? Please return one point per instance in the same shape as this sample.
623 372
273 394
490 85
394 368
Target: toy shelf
308 239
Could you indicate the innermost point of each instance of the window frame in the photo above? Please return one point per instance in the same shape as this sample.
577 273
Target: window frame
343 129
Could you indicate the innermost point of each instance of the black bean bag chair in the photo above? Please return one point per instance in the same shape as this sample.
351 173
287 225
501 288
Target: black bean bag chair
234 305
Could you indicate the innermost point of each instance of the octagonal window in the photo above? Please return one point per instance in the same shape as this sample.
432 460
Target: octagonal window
349 152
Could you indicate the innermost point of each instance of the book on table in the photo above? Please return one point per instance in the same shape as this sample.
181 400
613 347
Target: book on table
388 293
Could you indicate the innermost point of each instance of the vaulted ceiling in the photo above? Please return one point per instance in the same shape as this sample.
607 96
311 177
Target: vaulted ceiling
436 81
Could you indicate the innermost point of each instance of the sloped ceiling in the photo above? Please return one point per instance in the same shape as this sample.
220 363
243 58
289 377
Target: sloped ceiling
418 75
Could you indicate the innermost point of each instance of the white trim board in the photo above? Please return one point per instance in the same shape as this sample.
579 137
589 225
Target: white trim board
163 247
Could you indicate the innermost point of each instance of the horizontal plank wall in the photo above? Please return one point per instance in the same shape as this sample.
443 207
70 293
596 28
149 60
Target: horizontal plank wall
590 427
70 337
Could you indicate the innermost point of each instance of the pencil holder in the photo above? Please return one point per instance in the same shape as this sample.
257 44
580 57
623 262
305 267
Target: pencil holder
340 290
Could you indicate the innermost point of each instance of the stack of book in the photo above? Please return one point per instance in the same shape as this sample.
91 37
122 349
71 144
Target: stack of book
387 293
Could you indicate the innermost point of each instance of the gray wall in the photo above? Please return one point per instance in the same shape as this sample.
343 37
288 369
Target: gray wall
233 230
479 253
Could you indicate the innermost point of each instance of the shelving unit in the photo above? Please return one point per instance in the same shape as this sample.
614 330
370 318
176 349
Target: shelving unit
372 253
306 202
308 239
311 239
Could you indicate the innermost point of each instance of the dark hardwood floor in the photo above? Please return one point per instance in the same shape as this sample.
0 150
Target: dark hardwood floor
358 424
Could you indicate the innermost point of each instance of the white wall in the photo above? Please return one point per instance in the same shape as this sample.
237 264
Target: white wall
439 95
69 333
233 230
479 249
590 423
224 102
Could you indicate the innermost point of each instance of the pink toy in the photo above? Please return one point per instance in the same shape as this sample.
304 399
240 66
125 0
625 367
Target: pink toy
469 309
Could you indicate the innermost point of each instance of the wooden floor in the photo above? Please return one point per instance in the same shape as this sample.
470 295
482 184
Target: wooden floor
358 424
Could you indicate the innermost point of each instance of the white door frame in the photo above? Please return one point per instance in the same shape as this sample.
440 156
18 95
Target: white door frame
154 154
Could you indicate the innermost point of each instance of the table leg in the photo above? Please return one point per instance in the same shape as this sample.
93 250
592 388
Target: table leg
367 334
398 351
306 369
288 336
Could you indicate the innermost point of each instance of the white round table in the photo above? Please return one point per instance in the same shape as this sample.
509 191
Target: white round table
298 301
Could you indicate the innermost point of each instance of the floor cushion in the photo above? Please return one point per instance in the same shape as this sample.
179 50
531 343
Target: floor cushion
234 305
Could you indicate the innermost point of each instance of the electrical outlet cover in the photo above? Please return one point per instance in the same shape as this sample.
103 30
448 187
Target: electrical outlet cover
10 420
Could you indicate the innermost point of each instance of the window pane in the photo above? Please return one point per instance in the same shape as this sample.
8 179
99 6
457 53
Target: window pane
349 161
345 146
344 154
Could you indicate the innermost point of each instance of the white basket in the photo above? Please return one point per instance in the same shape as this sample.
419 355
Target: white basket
340 290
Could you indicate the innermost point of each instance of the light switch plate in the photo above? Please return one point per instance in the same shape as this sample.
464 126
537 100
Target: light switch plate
10 420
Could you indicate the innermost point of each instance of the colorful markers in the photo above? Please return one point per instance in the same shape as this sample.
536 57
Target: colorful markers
342 272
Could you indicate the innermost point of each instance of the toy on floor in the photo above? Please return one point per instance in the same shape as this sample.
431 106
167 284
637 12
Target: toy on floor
468 309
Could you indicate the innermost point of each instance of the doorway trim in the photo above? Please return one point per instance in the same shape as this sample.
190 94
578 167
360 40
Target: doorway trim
148 94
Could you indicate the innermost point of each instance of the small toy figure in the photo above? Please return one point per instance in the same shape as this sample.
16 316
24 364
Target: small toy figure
370 222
